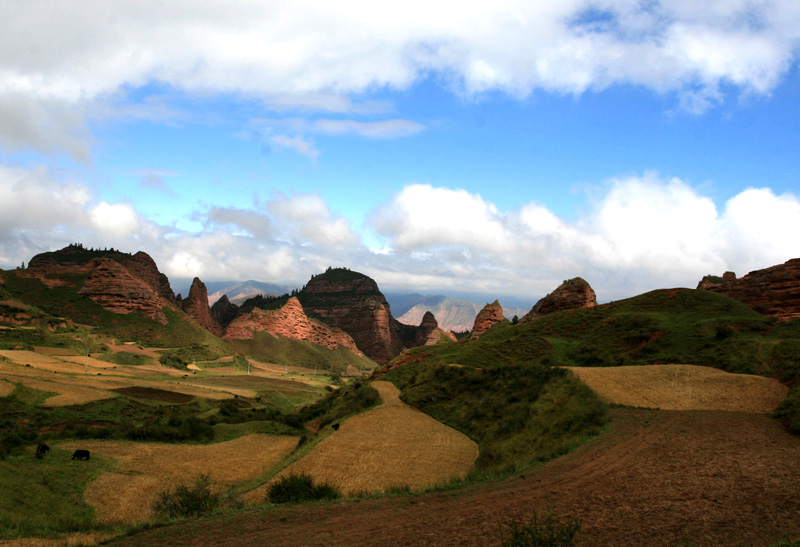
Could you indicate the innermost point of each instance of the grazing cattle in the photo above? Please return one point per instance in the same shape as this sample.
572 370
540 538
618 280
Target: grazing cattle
81 455
335 427
41 450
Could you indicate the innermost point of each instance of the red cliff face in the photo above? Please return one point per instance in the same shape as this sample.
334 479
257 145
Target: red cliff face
113 287
196 306
489 316
292 322
144 266
774 291
570 295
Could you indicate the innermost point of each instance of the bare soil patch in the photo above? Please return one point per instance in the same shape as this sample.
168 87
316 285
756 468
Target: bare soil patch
655 478
154 394
127 495
683 387
392 445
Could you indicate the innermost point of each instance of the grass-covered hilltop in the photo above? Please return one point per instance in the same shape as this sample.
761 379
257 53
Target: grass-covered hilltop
186 410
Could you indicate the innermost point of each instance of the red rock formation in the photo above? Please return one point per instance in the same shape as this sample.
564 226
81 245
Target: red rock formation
292 322
196 306
570 295
489 316
774 291
144 266
429 332
352 302
113 287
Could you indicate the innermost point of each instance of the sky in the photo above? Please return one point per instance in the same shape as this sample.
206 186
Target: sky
489 148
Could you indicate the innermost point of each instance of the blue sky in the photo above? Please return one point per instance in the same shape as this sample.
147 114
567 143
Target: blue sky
490 148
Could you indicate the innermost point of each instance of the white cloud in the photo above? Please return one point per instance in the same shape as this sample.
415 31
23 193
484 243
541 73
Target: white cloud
59 57
298 144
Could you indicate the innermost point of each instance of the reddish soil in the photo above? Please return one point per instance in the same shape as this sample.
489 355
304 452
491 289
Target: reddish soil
697 478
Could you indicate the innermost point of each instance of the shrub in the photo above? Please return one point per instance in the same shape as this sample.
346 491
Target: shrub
188 500
300 488
546 530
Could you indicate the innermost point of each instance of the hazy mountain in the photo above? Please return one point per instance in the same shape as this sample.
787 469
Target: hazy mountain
236 290
452 314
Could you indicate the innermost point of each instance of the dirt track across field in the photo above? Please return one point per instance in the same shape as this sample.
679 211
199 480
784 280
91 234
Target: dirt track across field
695 478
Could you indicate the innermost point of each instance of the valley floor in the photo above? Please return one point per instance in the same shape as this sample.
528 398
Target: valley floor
696 478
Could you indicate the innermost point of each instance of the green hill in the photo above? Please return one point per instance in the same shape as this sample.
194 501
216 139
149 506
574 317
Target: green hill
504 391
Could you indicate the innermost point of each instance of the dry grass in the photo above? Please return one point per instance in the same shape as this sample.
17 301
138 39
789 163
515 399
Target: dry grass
392 445
126 495
54 351
76 539
683 387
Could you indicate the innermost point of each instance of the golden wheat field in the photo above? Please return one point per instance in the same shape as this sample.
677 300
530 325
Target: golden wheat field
392 445
127 494
683 387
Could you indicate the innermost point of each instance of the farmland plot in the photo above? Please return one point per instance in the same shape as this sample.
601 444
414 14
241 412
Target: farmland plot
127 494
683 387
390 446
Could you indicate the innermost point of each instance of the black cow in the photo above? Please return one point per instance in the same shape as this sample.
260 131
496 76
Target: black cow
335 427
41 450
81 455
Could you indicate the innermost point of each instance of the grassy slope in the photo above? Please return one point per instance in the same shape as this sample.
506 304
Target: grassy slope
508 370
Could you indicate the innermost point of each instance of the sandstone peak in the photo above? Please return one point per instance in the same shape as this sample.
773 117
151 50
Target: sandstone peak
429 332
224 311
489 316
572 294
773 291
196 306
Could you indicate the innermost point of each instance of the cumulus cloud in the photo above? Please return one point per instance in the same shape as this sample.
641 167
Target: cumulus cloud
57 56
638 233
641 233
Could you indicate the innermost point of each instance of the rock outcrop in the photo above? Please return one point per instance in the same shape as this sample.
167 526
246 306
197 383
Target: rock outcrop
572 294
489 316
224 311
292 322
116 289
352 302
71 256
196 306
774 291
429 332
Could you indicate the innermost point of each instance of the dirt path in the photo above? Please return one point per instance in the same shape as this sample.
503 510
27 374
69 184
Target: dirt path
697 478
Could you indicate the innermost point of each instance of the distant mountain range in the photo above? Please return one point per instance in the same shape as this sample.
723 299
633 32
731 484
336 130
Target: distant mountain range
452 314
237 291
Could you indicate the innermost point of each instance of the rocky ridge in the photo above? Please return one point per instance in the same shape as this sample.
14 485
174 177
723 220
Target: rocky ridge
572 294
489 316
292 322
773 291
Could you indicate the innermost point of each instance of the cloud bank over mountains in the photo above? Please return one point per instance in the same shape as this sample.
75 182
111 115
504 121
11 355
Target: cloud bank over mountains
642 232
307 69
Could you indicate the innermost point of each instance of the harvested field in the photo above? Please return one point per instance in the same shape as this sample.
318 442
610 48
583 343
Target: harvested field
154 394
655 478
66 394
126 495
130 348
392 445
6 388
54 351
75 364
683 387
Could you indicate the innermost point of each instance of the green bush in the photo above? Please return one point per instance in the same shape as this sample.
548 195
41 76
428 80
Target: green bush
545 530
300 488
